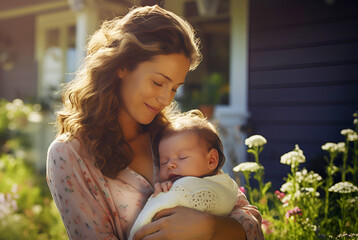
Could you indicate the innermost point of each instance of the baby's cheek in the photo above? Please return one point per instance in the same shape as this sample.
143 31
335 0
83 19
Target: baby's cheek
163 175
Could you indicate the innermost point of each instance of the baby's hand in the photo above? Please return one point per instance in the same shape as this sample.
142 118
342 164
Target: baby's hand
162 187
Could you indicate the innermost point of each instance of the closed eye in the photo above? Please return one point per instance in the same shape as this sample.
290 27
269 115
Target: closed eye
158 84
182 158
163 163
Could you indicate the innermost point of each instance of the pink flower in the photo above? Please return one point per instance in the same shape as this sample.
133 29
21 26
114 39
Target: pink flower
266 226
294 212
279 194
242 189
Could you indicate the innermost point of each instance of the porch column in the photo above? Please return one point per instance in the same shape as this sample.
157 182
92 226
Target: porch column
235 115
87 15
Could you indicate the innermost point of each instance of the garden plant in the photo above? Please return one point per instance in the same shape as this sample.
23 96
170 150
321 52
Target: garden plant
307 206
27 210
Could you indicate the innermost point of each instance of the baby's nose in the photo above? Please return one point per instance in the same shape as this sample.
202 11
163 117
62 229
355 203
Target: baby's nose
172 164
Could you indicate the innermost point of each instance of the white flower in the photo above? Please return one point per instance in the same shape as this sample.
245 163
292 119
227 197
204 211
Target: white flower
314 177
294 157
18 102
354 200
308 177
348 131
247 167
330 147
297 194
343 187
8 205
309 191
286 199
35 117
355 121
352 137
332 170
288 187
37 209
9 106
341 147
255 141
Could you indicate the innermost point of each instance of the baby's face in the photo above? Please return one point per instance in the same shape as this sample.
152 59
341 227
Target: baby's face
183 154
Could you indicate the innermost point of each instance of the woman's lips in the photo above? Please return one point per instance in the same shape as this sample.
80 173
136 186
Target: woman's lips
153 109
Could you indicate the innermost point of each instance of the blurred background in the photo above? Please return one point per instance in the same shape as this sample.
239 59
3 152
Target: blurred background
287 70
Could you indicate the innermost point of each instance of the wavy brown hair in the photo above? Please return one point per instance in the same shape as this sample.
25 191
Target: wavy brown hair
91 103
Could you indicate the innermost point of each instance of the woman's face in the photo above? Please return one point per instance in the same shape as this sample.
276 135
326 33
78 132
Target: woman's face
150 87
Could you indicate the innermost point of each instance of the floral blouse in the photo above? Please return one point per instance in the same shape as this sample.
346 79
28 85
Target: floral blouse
93 206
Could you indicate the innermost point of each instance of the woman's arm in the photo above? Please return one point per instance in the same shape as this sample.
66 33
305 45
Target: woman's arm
183 223
77 197
248 216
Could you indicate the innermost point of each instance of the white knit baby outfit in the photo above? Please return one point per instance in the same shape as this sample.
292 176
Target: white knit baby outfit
213 194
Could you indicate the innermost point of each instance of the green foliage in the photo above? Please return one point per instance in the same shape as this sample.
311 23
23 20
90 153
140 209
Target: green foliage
306 206
26 207
212 92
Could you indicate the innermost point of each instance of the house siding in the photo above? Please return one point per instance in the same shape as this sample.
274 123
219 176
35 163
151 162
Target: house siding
19 31
303 77
19 82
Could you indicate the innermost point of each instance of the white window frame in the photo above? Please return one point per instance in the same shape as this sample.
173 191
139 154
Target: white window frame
58 20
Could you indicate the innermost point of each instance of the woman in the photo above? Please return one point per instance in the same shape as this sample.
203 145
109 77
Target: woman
100 167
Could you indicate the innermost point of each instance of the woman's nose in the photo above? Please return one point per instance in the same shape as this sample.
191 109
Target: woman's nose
166 97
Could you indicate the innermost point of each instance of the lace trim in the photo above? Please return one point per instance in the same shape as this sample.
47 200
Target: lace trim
202 200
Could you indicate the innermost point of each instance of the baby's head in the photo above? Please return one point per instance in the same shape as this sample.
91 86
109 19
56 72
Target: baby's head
189 146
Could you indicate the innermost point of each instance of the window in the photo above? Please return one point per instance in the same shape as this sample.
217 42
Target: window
55 52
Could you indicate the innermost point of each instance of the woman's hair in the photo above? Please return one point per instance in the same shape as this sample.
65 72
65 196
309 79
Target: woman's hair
192 121
91 103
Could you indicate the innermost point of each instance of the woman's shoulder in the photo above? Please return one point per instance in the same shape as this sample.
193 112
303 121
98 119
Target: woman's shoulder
64 147
64 142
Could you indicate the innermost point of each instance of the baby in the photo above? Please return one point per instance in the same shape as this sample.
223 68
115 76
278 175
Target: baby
190 158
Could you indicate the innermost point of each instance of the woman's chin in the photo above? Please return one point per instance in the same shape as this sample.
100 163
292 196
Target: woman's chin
146 121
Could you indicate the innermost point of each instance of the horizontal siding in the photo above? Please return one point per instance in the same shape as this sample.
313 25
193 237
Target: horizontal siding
293 115
296 133
303 77
314 76
280 14
305 57
303 36
305 95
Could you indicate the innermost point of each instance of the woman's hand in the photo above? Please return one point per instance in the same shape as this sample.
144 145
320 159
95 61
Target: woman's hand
177 223
185 223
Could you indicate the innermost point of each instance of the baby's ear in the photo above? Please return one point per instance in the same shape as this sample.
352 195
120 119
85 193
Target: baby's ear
213 159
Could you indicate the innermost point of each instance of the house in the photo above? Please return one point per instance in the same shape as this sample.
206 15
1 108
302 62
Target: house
291 66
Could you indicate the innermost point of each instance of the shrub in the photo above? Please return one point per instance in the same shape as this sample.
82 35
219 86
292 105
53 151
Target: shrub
297 210
27 210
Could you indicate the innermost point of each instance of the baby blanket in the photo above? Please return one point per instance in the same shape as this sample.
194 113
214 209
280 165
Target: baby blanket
213 194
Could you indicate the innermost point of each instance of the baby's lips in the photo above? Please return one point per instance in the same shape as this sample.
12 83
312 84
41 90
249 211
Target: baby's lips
174 177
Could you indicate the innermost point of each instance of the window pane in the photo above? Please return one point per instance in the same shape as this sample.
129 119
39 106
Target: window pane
52 62
71 58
